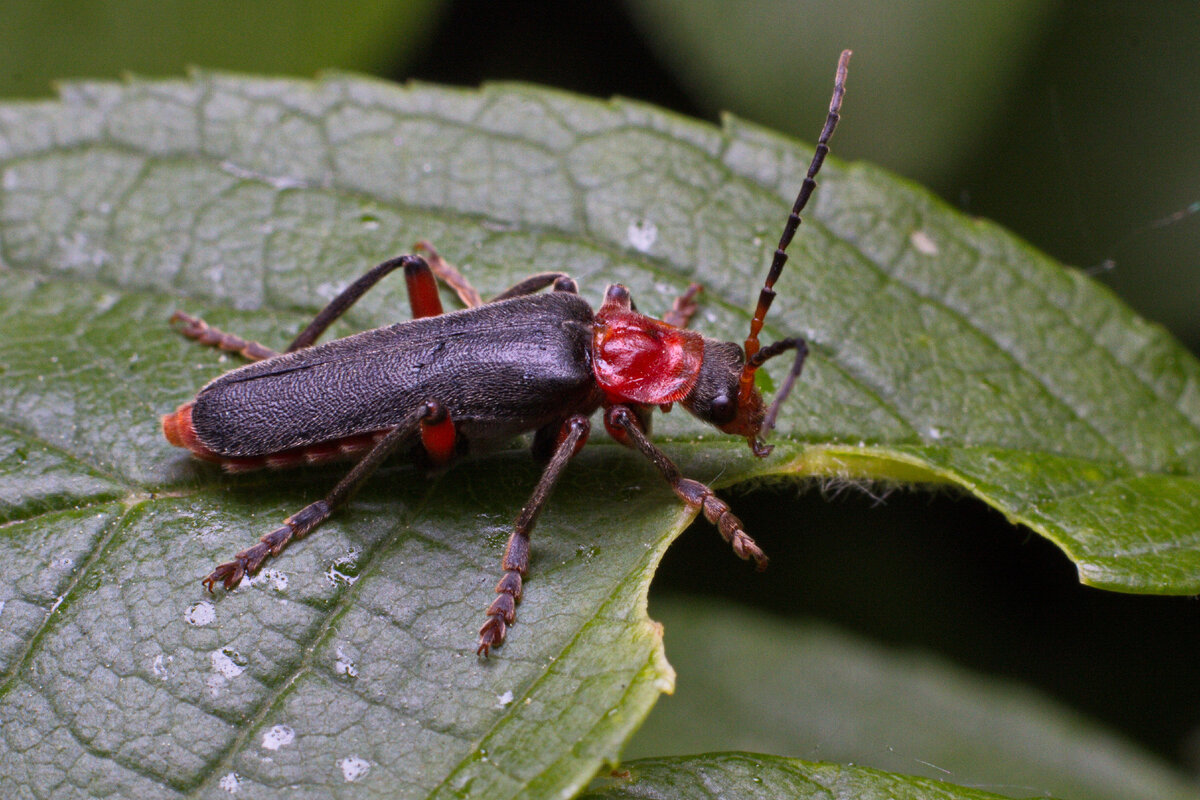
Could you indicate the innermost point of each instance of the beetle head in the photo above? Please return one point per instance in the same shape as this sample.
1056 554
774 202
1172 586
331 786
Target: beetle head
716 398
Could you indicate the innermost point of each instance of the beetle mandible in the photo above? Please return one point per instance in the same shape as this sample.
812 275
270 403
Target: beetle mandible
445 382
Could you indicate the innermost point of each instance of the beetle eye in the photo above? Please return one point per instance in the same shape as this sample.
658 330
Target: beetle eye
722 409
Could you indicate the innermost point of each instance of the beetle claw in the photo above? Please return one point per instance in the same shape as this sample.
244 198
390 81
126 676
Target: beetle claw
491 634
228 574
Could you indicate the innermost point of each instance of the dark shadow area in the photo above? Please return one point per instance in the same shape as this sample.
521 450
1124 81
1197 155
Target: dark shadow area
946 573
589 48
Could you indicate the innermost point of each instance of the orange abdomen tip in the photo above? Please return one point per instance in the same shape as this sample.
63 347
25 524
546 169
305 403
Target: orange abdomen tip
175 423
177 427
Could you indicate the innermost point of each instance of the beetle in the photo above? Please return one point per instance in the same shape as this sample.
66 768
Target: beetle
444 384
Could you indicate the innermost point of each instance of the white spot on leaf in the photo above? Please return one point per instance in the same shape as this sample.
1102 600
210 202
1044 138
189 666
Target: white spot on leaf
344 665
200 614
159 667
504 699
923 243
230 782
335 573
279 736
227 664
277 579
353 767
642 234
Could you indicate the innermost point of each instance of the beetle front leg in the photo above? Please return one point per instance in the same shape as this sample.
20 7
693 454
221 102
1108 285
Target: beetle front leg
429 414
623 423
561 281
503 610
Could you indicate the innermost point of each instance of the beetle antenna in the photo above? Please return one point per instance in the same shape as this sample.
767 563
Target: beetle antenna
767 295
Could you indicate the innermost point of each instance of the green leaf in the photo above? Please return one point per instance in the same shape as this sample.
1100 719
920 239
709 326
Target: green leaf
943 350
819 693
753 776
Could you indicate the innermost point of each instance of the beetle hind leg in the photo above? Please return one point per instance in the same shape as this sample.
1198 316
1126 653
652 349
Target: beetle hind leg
428 417
503 610
248 561
201 332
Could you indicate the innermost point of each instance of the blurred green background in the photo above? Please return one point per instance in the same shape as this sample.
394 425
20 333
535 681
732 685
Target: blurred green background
1072 124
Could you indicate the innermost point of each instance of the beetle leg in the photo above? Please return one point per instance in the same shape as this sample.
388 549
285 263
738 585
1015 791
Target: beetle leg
350 295
770 351
438 436
302 522
423 296
199 330
562 283
468 294
694 493
449 275
502 611
685 306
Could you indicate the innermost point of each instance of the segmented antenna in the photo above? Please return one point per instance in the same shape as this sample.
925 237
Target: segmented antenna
767 295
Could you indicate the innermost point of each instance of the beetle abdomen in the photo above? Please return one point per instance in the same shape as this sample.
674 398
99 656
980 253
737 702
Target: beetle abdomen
179 430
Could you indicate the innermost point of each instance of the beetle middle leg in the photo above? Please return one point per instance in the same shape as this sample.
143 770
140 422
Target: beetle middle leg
502 612
561 281
429 418
449 275
623 423
422 296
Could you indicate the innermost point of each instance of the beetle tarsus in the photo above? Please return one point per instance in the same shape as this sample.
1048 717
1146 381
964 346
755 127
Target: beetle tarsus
502 611
249 561
729 526
692 492
491 635
684 308
200 331
717 511
230 574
